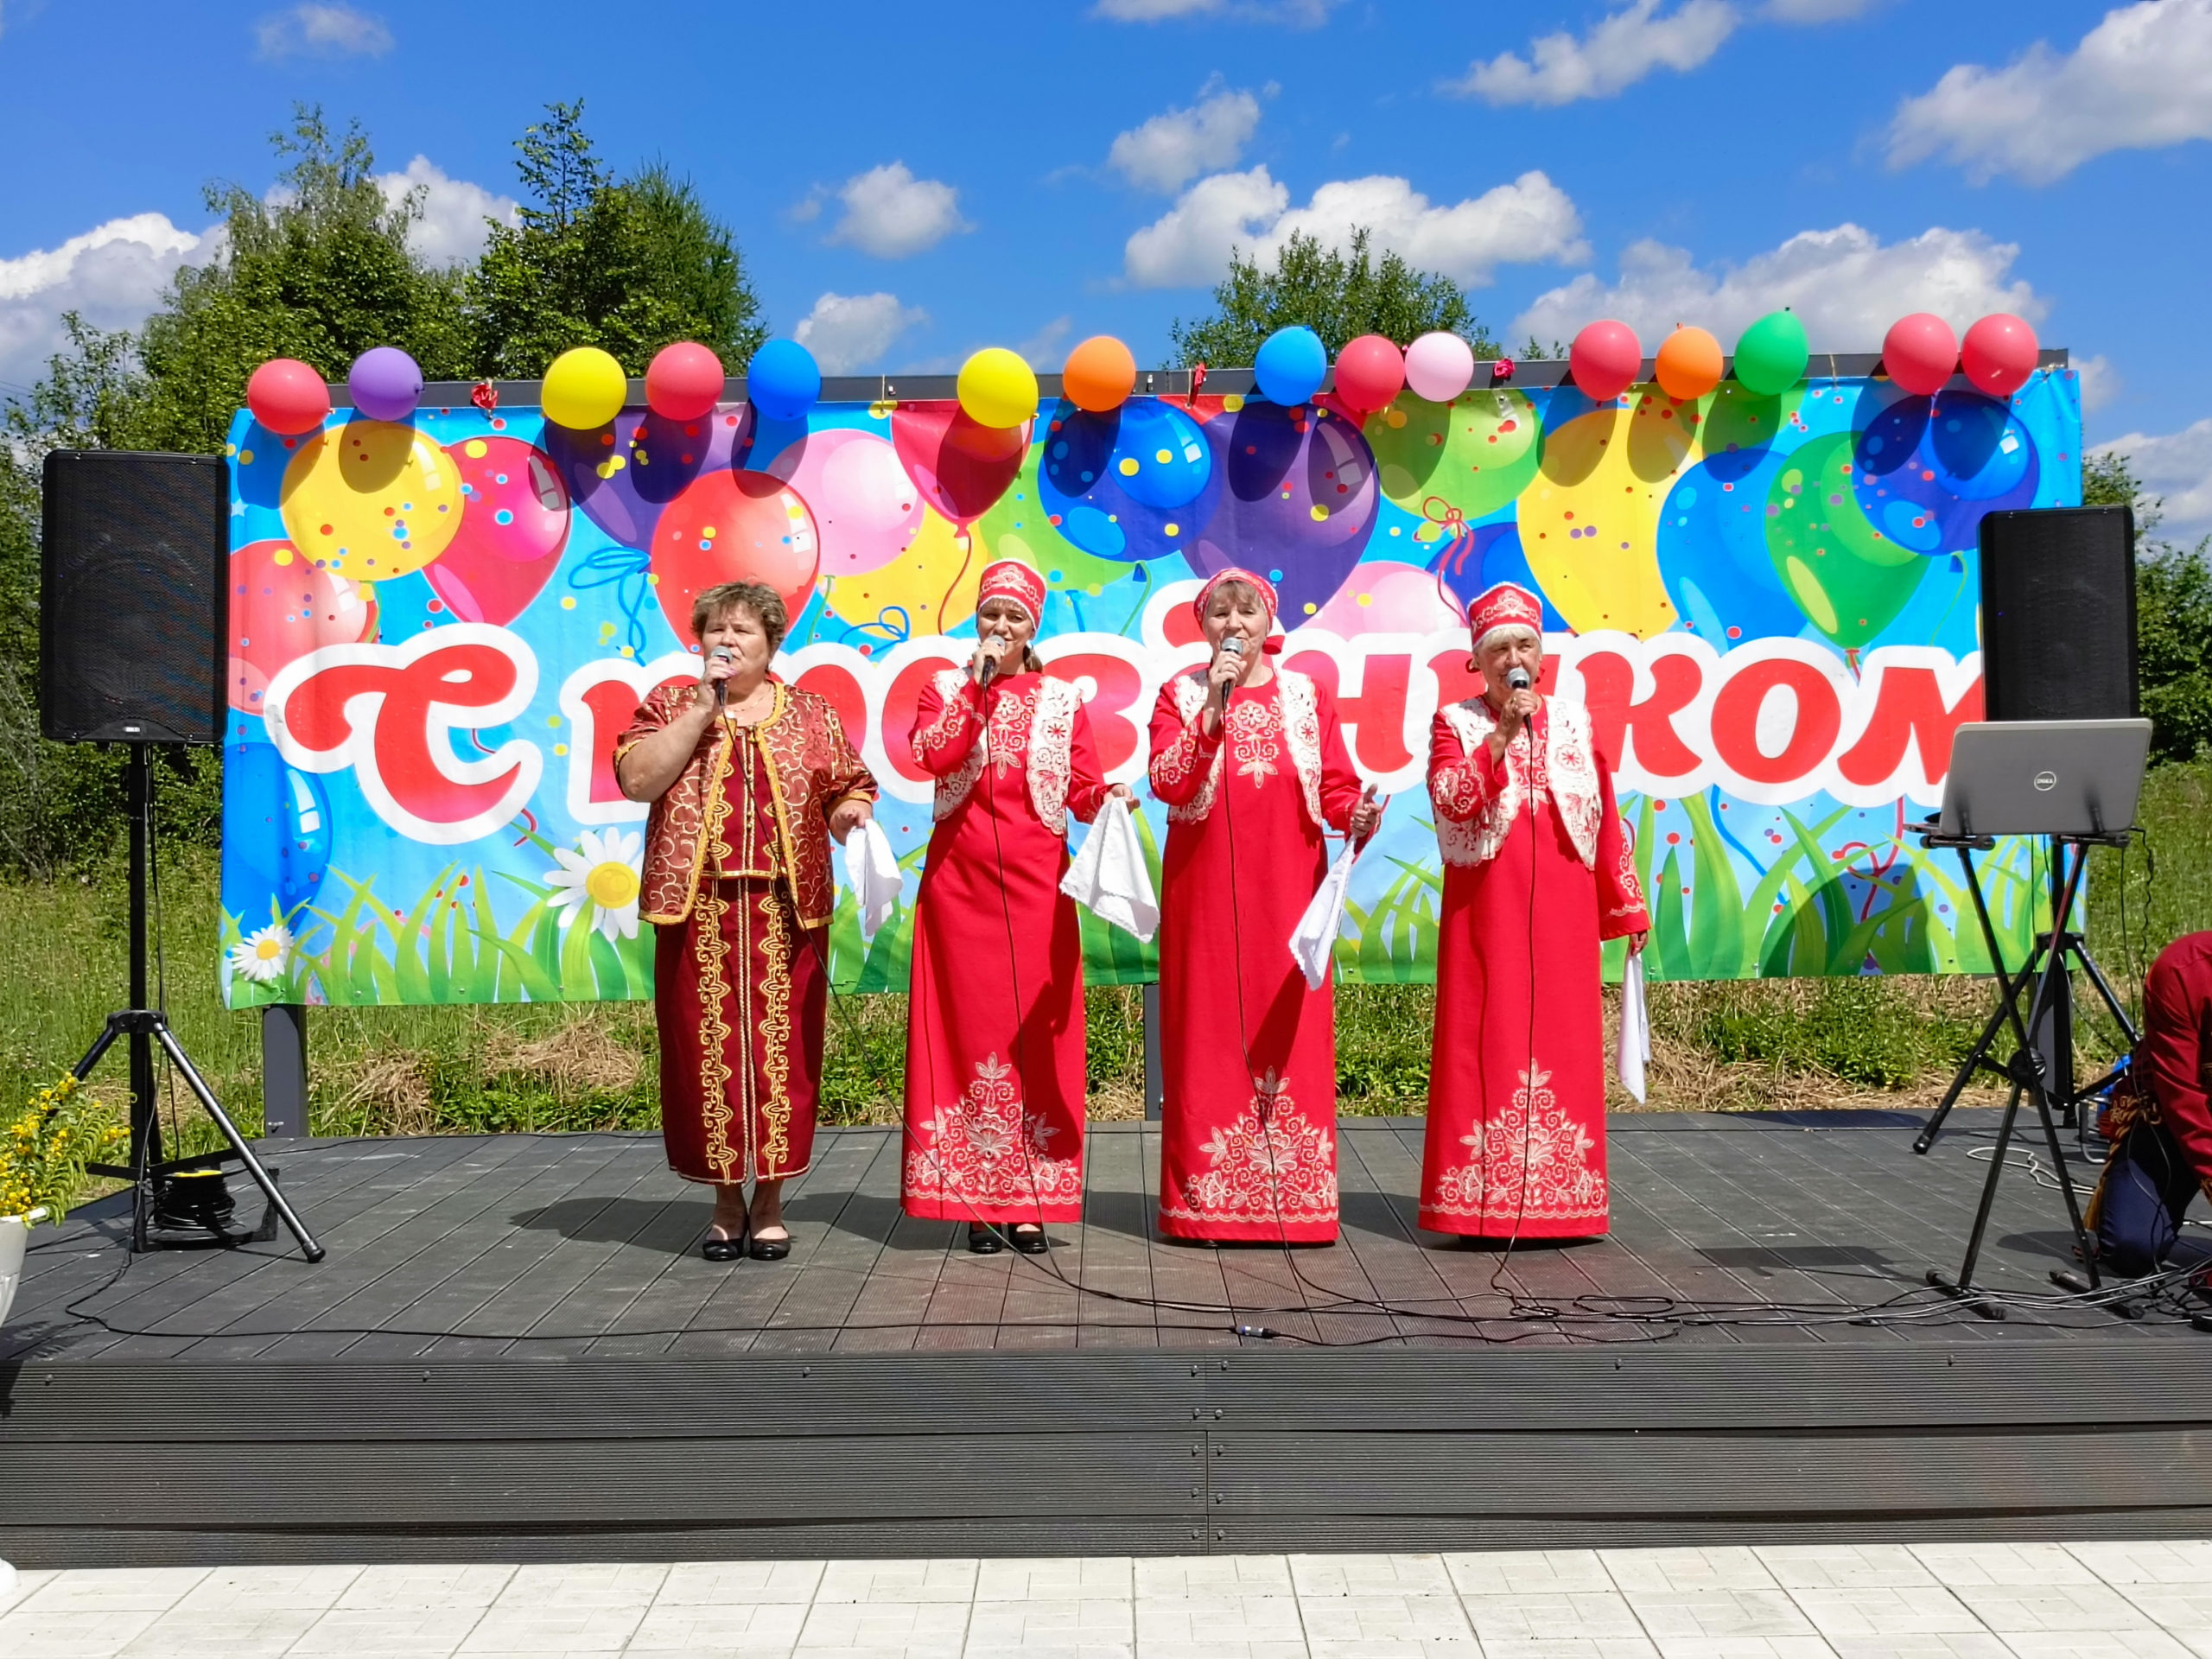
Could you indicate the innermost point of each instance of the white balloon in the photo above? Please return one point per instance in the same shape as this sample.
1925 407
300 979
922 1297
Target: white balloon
1440 366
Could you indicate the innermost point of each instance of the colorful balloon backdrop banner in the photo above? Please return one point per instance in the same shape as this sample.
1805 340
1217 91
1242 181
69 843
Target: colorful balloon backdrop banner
441 624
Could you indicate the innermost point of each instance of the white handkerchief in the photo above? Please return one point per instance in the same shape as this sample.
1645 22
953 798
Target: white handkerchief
1633 1050
1109 878
872 870
1313 941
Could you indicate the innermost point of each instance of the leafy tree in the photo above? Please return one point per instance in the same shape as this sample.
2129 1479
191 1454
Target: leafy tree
2173 614
1338 294
628 266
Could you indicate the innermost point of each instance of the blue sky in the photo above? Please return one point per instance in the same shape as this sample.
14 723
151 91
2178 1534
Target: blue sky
911 182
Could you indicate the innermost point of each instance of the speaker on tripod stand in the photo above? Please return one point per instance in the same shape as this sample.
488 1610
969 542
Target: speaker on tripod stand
131 651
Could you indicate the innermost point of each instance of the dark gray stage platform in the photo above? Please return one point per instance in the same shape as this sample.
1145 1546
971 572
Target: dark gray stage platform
513 1349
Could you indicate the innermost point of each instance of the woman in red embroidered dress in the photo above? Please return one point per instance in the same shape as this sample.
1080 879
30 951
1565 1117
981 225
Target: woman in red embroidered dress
749 779
995 1033
1248 1131
1538 869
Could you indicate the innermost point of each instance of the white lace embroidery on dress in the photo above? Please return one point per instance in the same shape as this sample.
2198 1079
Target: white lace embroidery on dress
990 1148
1045 716
1531 1162
1271 1162
1250 724
1566 773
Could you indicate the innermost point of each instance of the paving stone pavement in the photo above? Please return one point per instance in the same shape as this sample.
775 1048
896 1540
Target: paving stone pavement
1820 1601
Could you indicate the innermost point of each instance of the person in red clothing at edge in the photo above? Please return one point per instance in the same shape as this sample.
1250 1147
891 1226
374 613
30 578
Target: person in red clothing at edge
2160 1121
995 1033
1249 1055
1538 868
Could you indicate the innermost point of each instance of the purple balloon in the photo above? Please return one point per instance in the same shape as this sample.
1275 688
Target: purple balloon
386 383
1297 504
623 473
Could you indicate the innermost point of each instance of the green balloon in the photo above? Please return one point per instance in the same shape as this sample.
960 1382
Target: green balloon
1770 354
1848 579
1477 453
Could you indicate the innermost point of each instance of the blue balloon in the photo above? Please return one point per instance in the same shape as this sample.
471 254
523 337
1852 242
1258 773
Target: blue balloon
1135 483
1712 551
783 381
1291 365
276 837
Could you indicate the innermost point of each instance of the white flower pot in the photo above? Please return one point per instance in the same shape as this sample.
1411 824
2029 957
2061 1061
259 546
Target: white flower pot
15 1233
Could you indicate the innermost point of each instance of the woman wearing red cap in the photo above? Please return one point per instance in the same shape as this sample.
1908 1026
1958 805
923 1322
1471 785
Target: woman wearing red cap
995 1060
1538 868
1248 1136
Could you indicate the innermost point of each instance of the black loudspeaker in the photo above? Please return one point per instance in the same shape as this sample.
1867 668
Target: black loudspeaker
131 612
2058 613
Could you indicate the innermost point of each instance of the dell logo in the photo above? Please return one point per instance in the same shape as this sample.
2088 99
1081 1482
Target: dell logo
2046 781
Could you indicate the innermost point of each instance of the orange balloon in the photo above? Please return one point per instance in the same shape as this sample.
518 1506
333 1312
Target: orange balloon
1100 374
1690 363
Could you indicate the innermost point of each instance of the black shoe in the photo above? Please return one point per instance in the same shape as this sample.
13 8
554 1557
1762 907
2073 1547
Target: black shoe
723 1249
1030 1241
984 1241
771 1249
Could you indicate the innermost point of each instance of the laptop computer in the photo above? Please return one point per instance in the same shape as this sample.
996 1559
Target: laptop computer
2045 777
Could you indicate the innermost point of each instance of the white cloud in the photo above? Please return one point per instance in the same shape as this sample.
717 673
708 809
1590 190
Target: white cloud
451 230
1844 284
891 213
1173 147
114 275
322 31
1304 14
1047 349
1528 220
2140 79
2101 382
848 333
1620 49
2178 466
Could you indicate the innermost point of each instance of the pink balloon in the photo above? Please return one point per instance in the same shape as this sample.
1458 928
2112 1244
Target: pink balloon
514 522
1440 366
865 509
1604 360
1920 352
684 382
282 607
1370 371
1383 596
1999 354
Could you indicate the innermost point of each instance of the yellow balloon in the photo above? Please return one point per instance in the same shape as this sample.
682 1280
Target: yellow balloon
997 389
1589 520
927 589
584 387
371 499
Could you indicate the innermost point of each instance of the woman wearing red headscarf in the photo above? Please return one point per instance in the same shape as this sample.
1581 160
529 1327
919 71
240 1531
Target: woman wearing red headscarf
1250 761
995 1062
1538 869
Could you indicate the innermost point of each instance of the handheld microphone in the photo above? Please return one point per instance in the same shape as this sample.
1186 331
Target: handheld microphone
722 654
989 669
1232 645
1517 679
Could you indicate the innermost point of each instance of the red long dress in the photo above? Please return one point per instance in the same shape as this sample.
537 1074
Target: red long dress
995 1031
1248 1136
1516 1143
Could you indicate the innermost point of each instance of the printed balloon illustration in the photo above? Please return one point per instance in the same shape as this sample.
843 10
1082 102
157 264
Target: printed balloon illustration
1384 596
372 499
1471 560
1712 550
1133 483
1449 463
282 608
514 522
1590 521
1297 504
1926 472
1018 526
276 836
624 474
929 588
734 526
1848 579
865 509
959 467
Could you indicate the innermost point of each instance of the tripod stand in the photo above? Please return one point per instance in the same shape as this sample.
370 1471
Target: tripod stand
2029 1071
145 1027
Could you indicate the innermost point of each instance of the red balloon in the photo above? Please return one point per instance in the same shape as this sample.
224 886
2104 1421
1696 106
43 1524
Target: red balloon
282 608
960 468
1604 360
1370 371
1999 354
288 396
684 382
734 526
1920 352
514 522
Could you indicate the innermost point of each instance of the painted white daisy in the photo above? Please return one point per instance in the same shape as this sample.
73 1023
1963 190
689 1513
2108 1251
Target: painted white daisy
263 954
600 877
